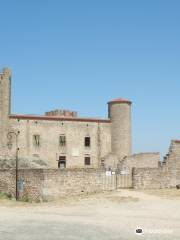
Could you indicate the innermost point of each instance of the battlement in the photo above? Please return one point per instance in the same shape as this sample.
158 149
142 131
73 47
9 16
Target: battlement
61 113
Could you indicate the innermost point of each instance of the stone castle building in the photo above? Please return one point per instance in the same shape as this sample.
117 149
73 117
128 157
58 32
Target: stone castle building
61 139
95 154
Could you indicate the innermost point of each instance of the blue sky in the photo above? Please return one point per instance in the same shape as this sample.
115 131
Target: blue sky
80 54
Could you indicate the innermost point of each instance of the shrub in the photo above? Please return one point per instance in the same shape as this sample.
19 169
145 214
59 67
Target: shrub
4 195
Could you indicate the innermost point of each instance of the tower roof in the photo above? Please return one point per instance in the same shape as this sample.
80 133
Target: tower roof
119 100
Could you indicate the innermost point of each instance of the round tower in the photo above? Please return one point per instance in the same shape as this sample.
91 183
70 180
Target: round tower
119 111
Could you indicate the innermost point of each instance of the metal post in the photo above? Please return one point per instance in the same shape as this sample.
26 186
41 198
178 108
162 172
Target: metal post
17 193
116 179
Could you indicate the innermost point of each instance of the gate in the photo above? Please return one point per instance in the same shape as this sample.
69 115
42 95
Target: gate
115 180
124 180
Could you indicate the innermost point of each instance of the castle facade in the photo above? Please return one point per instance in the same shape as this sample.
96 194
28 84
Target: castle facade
61 139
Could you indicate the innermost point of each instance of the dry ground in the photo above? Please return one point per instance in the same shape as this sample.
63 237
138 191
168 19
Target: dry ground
105 216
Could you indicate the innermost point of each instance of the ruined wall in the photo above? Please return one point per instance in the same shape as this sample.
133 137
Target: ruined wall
165 176
109 161
140 160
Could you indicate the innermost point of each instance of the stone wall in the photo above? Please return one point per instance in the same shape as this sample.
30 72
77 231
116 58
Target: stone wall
165 176
54 183
151 178
5 105
71 182
7 181
140 160
32 179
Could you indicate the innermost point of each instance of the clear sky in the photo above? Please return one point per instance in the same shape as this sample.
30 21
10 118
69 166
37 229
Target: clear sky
78 54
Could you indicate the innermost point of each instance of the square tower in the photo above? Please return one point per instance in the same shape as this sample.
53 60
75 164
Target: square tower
5 104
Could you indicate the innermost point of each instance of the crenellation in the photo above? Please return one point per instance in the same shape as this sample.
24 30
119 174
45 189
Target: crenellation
61 113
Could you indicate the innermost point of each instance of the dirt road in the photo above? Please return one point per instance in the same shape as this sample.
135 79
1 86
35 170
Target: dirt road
106 216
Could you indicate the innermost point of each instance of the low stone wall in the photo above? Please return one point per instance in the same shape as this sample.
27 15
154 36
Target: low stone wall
54 183
59 183
32 182
154 178
147 178
7 181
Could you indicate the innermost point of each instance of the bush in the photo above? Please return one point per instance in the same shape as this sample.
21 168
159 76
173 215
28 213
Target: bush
4 195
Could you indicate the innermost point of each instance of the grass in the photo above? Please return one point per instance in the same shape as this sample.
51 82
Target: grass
25 198
4 195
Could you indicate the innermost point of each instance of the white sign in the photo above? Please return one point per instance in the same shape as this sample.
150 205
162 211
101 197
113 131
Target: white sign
108 173
75 152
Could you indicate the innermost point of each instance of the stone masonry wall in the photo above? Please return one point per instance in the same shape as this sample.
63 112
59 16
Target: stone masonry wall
71 182
165 176
151 178
7 181
32 179
52 183
140 160
56 183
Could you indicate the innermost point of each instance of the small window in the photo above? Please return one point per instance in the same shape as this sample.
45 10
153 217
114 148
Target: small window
102 162
62 162
87 161
62 140
36 140
87 141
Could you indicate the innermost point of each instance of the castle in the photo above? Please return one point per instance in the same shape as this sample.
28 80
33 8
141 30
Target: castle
61 139
95 154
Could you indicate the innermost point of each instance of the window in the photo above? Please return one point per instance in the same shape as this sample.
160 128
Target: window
87 141
87 160
62 140
102 162
36 140
62 162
